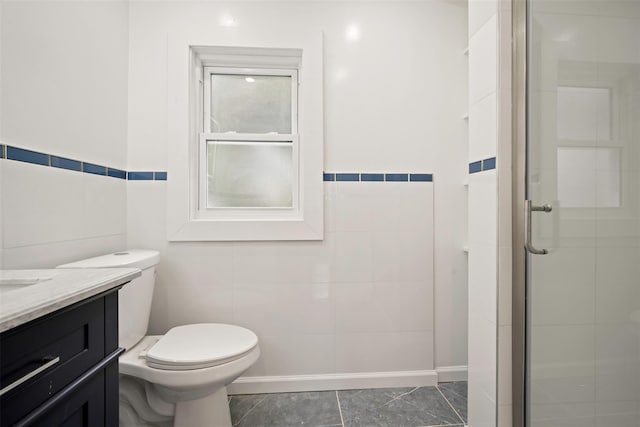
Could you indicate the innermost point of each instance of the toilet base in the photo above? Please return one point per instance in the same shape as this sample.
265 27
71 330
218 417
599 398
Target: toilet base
210 411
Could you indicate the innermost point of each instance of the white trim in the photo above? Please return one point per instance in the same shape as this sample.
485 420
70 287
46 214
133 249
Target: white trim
451 373
186 55
296 383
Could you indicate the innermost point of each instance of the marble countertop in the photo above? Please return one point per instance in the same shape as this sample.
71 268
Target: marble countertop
28 294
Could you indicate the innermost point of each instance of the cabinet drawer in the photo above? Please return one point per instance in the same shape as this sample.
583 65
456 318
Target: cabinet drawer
85 407
75 335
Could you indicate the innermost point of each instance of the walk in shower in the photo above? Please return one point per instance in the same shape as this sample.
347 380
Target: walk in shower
577 209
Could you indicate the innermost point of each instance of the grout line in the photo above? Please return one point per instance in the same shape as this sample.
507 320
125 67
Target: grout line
339 409
251 409
454 409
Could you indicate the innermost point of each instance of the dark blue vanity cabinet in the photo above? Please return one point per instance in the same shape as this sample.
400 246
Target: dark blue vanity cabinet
62 368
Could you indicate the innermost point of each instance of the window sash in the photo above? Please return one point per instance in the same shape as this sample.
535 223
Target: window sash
208 71
206 212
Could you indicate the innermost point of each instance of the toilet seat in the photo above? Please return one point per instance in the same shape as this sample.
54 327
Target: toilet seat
199 346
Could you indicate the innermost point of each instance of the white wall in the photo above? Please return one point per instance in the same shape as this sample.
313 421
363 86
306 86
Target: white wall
386 289
489 223
64 92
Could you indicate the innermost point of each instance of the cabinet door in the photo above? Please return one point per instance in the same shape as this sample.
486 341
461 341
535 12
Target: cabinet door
74 335
85 407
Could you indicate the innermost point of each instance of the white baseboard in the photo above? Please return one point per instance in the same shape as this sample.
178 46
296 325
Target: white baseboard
451 373
293 383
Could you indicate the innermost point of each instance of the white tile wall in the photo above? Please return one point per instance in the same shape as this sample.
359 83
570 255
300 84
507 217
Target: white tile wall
480 11
49 255
64 92
489 225
401 351
53 216
483 136
295 354
380 240
44 205
481 407
64 82
379 250
483 61
319 307
483 206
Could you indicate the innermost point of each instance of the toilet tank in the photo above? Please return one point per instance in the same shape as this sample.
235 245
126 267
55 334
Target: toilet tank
134 299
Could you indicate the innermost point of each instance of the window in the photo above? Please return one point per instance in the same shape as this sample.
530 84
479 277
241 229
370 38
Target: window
245 154
588 157
249 147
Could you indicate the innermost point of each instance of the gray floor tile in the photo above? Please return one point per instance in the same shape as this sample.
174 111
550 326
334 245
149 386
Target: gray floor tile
456 394
315 409
396 407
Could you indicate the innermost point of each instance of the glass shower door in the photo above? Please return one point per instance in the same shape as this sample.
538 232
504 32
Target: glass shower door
583 263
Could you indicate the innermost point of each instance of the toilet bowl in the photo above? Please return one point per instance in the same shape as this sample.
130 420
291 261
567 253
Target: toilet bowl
178 378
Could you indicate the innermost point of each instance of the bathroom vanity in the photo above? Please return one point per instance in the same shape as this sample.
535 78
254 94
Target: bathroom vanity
59 346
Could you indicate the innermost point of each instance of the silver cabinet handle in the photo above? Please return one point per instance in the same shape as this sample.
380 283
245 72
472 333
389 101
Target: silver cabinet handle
30 375
528 208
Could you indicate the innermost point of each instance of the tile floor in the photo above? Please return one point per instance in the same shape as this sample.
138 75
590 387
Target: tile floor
443 405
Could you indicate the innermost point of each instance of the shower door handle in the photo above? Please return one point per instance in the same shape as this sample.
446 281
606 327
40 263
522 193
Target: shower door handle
528 208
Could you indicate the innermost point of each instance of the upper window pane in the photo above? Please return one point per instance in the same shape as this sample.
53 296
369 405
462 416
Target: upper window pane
250 103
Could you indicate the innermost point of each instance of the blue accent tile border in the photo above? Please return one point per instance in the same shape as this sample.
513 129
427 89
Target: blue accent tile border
51 160
371 177
94 169
37 158
116 173
396 177
488 164
482 165
475 167
140 176
63 163
347 177
421 177
27 156
376 177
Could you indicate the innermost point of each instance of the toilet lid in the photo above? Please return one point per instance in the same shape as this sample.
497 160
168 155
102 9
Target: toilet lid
200 346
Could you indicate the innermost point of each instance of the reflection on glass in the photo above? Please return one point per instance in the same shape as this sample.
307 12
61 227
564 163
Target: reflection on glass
250 104
584 133
584 113
588 177
249 174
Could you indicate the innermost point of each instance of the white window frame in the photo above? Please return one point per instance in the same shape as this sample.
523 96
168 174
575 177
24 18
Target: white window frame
207 135
186 136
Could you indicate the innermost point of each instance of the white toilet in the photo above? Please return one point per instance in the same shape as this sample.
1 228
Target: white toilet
181 375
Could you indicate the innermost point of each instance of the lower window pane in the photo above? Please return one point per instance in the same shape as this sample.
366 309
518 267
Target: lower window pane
249 175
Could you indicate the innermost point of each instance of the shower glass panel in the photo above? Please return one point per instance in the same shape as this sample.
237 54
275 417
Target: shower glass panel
583 157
